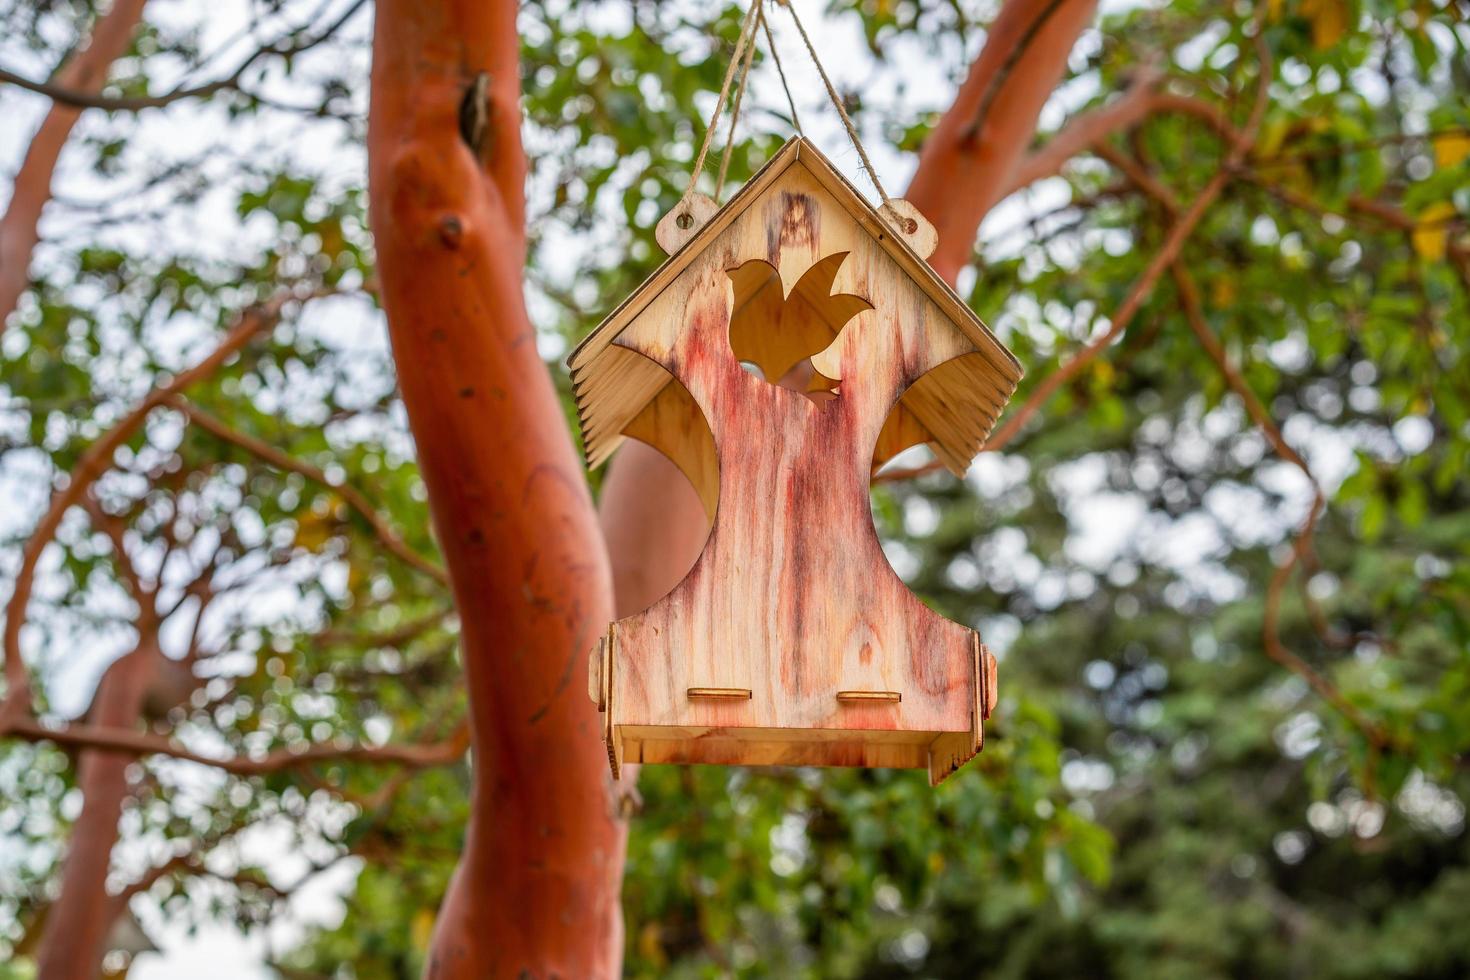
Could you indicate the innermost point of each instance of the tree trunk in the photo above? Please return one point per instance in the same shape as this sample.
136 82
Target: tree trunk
32 189
536 891
78 921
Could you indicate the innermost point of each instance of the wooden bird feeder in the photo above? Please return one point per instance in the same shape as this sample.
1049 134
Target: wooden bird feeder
792 641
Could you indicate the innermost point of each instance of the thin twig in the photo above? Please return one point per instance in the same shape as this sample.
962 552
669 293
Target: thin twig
1161 261
285 461
94 462
418 755
1271 633
88 100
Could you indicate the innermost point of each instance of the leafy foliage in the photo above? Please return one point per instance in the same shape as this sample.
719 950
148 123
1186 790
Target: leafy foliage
1157 797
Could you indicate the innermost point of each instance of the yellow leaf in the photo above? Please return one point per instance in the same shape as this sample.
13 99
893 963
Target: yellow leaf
355 575
313 531
1272 136
318 525
422 928
1451 148
649 945
1223 293
1329 20
1431 235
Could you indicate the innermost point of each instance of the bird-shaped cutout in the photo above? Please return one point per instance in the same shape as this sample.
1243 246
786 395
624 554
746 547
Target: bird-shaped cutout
780 334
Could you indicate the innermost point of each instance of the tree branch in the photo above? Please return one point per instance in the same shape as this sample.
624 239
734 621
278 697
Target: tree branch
537 885
1179 233
1194 315
1142 288
285 461
964 170
1270 629
1014 53
127 740
32 186
1088 128
94 462
78 98
113 526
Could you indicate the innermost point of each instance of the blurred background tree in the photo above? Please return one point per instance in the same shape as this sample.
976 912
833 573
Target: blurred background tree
1234 715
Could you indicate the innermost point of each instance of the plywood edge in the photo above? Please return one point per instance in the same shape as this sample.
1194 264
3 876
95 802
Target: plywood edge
758 746
957 404
952 750
948 754
609 722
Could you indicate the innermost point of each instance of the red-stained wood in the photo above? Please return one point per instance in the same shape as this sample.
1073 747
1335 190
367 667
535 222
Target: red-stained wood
536 890
791 601
651 519
952 409
32 186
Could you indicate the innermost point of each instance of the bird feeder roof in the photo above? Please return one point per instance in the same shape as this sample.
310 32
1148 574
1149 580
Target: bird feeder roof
954 415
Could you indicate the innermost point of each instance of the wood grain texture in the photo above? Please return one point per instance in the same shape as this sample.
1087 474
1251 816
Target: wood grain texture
683 222
792 599
953 419
909 222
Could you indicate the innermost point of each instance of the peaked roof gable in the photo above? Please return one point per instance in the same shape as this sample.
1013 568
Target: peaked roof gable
952 408
799 150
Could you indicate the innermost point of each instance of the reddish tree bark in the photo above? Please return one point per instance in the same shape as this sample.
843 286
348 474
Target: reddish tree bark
79 919
536 891
32 190
967 162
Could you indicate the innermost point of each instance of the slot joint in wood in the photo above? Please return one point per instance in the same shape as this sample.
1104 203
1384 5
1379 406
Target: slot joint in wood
868 697
720 693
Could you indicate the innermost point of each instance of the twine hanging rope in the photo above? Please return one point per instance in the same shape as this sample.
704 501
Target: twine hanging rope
776 57
836 101
746 30
735 110
744 59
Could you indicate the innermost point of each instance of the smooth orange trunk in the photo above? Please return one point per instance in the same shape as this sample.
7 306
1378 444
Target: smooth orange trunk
536 892
79 920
